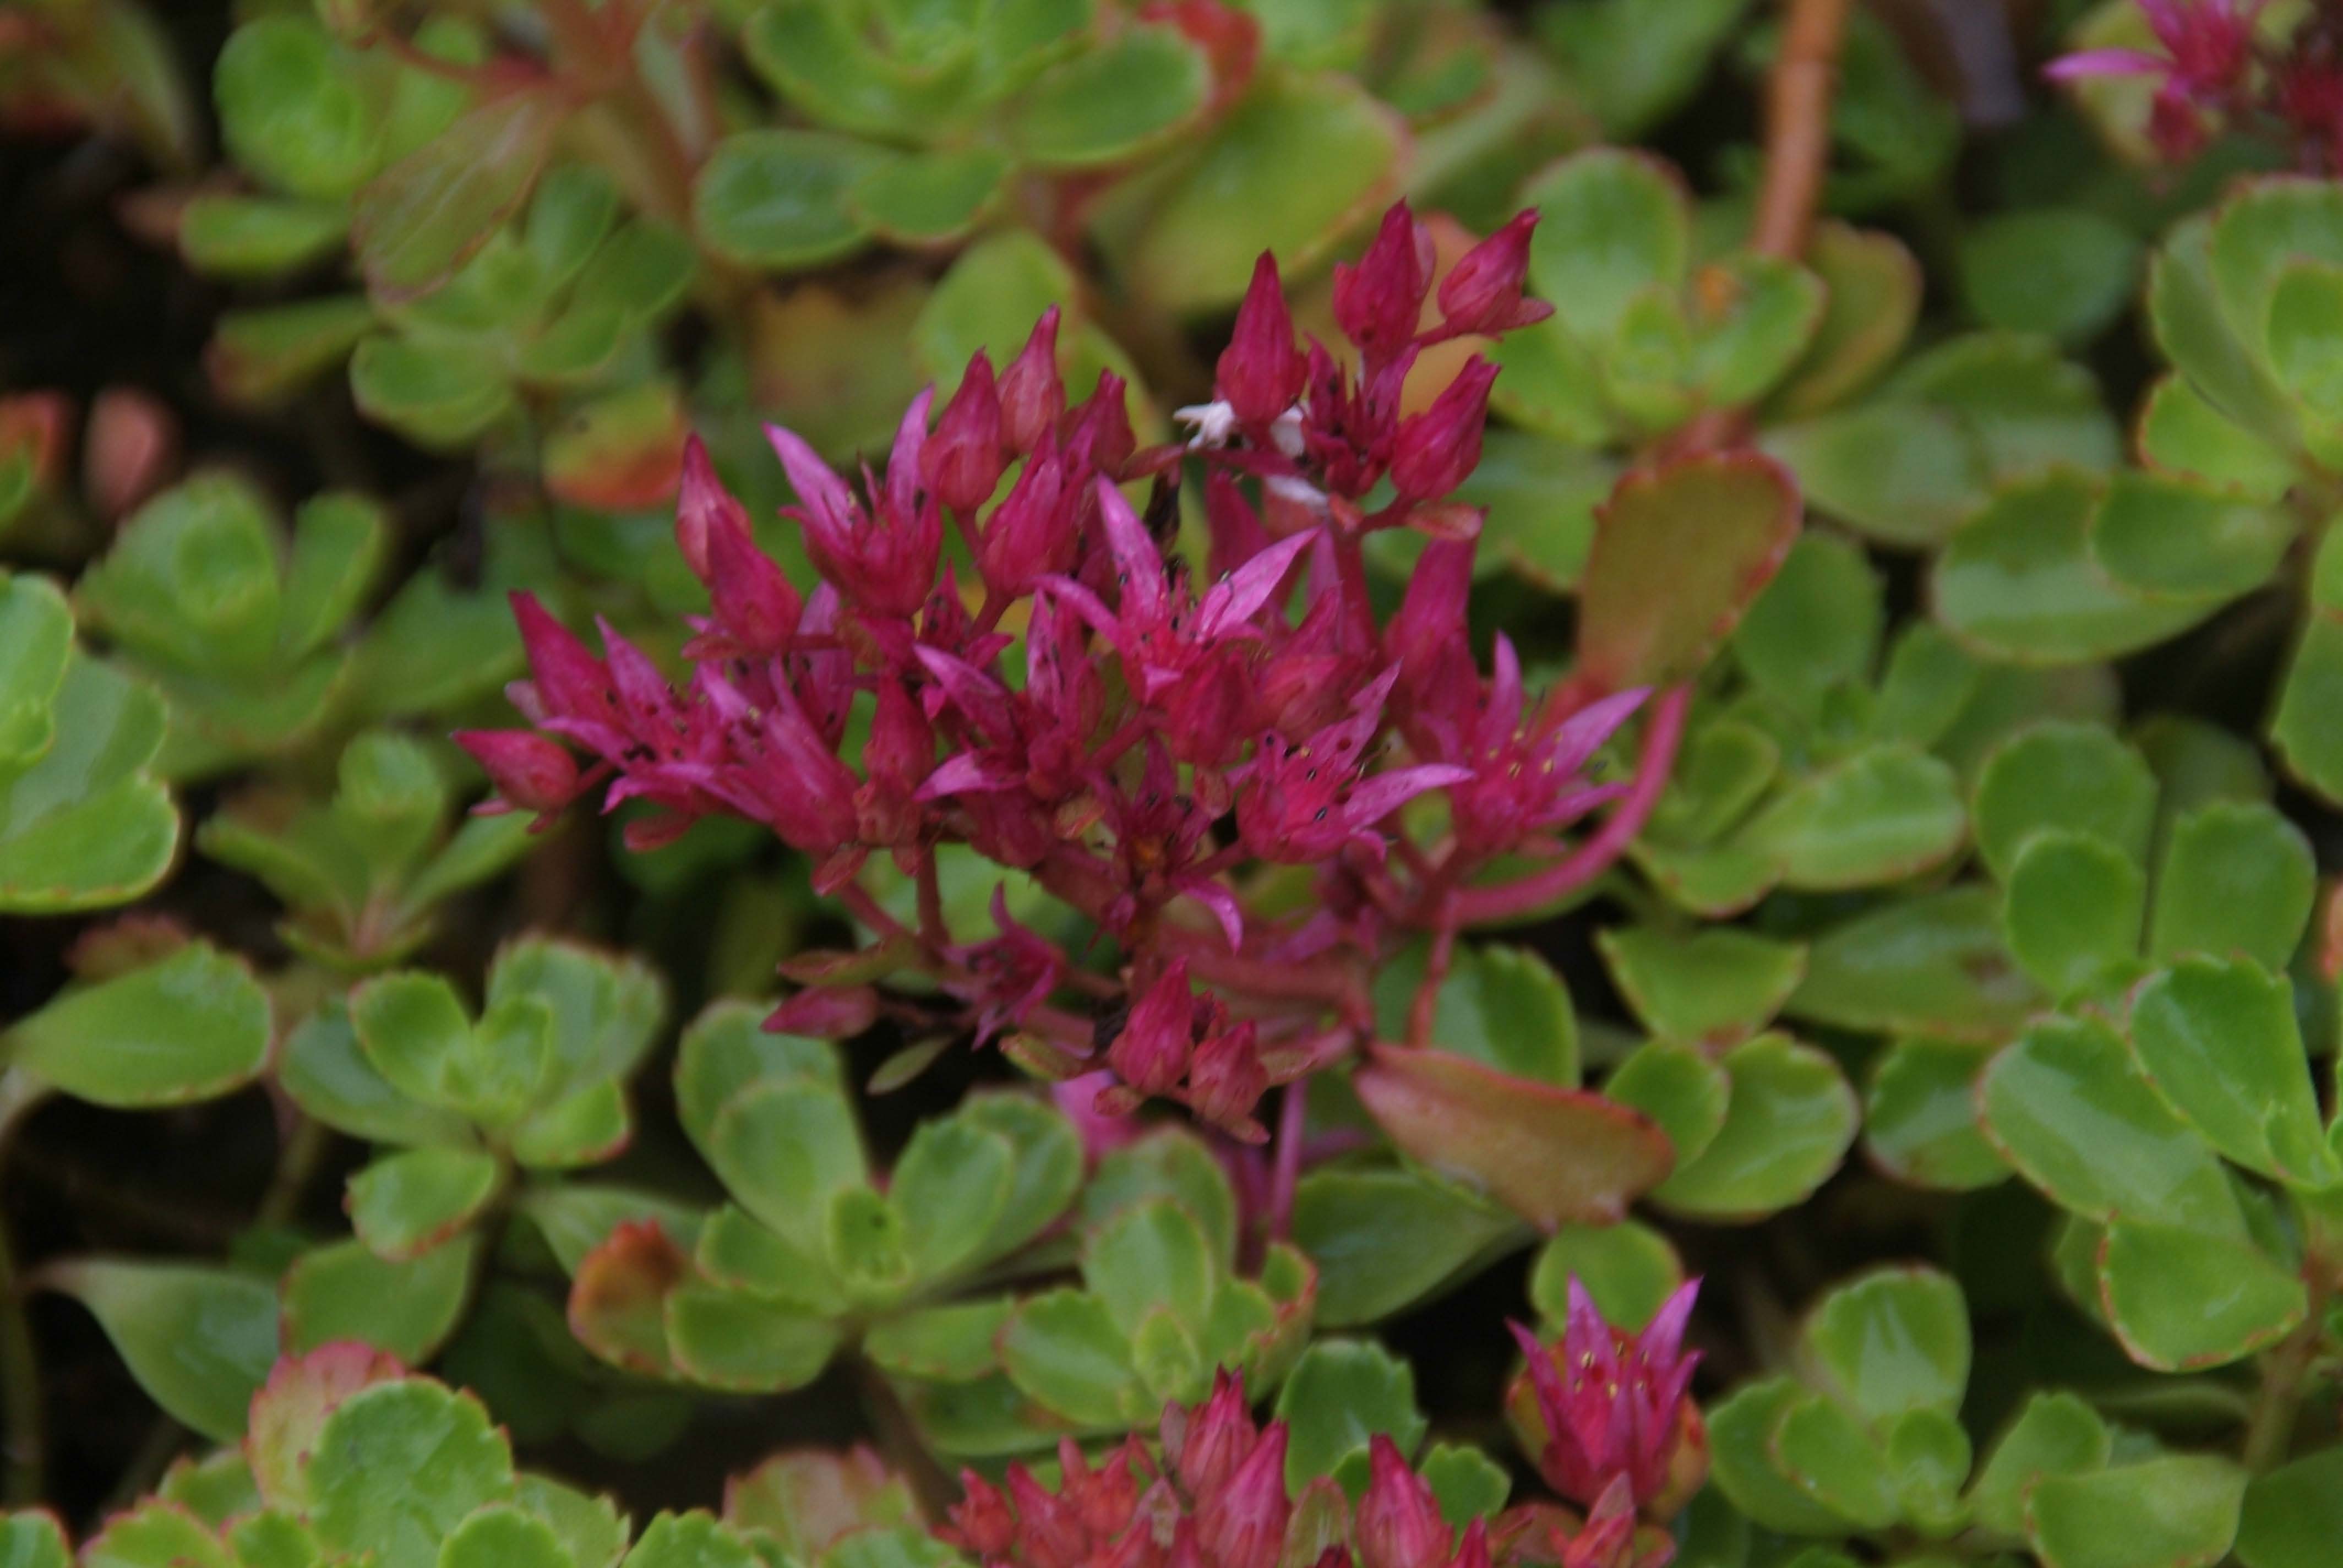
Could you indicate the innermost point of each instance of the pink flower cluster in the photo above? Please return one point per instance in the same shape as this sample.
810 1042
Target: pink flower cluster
1034 671
1218 1499
1608 1413
2213 74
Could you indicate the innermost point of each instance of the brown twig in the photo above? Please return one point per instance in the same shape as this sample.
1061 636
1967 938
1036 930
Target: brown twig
1797 125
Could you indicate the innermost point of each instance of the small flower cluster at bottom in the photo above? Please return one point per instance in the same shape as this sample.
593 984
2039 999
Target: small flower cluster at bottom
1608 1414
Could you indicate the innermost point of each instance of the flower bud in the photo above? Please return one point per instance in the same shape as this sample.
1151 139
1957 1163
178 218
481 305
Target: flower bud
754 601
530 773
701 499
962 461
1438 447
981 1521
1033 532
826 1013
1398 1523
1101 433
1379 302
1483 292
1262 372
569 682
1150 1054
1226 1080
1032 396
1218 1435
1243 1525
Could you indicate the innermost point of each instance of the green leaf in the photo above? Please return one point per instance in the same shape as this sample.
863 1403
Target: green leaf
2305 332
1384 1239
1629 1269
1680 551
1827 1452
1919 1116
446 1457
256 237
191 582
198 1339
2168 539
1883 814
155 1535
1894 1342
1724 769
1501 1005
2236 876
2029 411
430 212
297 110
1292 169
2074 906
1466 1482
781 198
1113 103
1873 299
2018 580
1150 1256
1815 627
1340 1394
819 60
504 1536
1610 223
1634 62
2186 312
215 1488
1742 1463
1753 316
732 1341
2179 1300
2304 731
1932 964
948 1189
2075 777
2053 1434
1540 498
2217 1040
2063 272
690 1540
441 394
1902 473
2181 433
929 197
1047 1172
784 1150
343 1292
413 1030
33 1540
2294 1515
406 1204
1678 1087
1552 1155
1788 1122
2065 1106
1062 1348
1715 988
192 1027
2177 1511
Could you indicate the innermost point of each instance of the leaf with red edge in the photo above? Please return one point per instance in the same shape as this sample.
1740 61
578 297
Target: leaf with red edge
426 215
809 1498
621 452
290 1411
1680 551
618 1301
1554 1156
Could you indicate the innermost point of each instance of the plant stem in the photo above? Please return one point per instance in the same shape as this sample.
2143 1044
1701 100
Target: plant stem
1425 1006
25 1479
1797 125
1292 1112
1477 906
296 1164
2269 1430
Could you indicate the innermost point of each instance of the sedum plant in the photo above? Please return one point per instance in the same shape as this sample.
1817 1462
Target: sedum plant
1191 785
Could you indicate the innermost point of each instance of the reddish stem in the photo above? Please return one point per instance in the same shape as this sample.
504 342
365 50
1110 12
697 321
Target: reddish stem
1478 906
1425 1006
1292 1111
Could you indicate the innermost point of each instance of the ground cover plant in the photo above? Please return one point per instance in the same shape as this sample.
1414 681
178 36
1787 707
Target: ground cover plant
1073 784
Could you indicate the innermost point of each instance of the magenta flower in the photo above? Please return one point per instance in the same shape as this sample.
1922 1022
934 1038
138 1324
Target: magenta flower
882 559
1603 1405
1482 294
2206 56
1305 803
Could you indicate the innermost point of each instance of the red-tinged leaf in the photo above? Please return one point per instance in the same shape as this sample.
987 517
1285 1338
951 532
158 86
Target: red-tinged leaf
1554 1156
809 1498
291 1408
618 1301
619 453
1680 551
423 217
